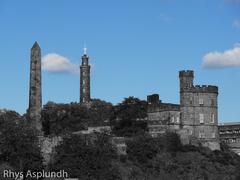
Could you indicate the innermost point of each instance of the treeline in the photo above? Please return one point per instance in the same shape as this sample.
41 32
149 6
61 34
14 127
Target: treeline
147 158
19 145
125 119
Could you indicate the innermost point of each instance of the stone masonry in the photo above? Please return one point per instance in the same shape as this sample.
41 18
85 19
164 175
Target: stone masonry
199 111
85 80
162 116
230 134
35 90
195 119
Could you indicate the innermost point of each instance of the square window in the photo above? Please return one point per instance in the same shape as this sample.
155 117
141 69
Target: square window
212 102
201 134
213 135
212 118
201 118
177 121
191 101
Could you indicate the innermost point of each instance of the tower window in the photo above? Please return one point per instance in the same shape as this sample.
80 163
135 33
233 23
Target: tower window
200 101
201 118
212 118
190 132
191 100
212 102
84 90
177 121
201 134
84 82
172 119
213 135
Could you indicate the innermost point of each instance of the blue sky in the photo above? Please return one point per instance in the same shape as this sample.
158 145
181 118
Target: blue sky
136 48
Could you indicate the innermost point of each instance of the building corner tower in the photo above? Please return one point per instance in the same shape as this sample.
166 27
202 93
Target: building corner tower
35 89
85 97
199 111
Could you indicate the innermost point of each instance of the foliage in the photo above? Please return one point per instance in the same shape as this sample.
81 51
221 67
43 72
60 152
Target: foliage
165 157
19 146
100 113
141 149
173 143
129 117
86 159
63 118
8 115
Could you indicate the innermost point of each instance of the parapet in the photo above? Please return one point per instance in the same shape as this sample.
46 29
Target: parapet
169 107
187 73
205 89
154 99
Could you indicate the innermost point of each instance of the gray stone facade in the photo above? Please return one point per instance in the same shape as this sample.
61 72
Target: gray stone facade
162 116
85 96
195 119
35 89
230 134
199 110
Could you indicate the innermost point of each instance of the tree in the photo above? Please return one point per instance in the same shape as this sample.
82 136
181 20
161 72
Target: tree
86 159
142 149
100 113
129 117
19 146
63 118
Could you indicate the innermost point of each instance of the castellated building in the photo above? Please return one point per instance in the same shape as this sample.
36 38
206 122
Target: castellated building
35 89
195 119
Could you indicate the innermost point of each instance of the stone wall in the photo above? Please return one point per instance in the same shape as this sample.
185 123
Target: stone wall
230 134
162 116
199 110
48 145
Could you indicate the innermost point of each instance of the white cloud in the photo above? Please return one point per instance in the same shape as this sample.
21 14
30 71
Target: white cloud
236 23
56 63
228 58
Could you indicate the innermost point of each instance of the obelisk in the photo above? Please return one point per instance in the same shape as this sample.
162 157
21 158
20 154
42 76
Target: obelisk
35 89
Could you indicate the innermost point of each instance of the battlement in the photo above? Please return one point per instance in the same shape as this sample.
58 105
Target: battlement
163 107
186 73
153 99
205 89
169 107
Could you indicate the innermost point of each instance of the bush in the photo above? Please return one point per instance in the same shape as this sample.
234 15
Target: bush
19 147
141 149
86 159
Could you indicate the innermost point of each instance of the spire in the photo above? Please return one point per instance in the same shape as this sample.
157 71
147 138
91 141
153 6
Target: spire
84 49
35 45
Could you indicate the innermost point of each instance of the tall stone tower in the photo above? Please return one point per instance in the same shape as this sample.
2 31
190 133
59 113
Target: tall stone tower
199 110
35 89
85 79
186 96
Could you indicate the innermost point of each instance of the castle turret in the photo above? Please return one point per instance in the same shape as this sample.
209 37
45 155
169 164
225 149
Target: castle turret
35 89
85 97
199 110
186 96
186 80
